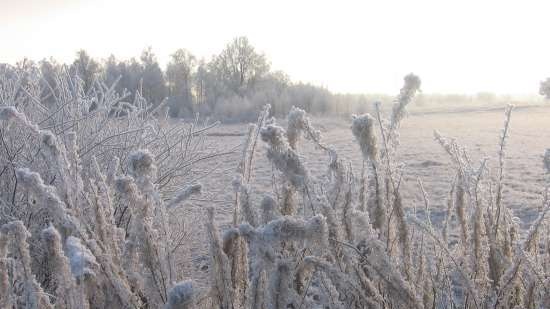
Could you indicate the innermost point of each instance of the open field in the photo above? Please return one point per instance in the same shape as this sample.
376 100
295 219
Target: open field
478 130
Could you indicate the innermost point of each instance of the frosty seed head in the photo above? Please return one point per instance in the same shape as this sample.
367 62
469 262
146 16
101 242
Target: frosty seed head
9 113
297 122
83 262
273 135
412 82
362 128
51 236
141 163
16 228
181 296
125 185
48 139
406 94
185 194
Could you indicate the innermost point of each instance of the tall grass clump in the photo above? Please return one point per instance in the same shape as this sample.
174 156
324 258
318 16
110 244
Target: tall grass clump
88 216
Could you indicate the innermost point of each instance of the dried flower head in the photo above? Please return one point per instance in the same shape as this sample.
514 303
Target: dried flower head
83 262
141 163
362 128
406 94
283 157
181 296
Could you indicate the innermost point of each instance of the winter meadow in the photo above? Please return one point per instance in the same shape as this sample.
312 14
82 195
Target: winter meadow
223 183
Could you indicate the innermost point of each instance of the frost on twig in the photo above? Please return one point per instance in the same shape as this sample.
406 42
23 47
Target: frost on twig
11 115
60 269
220 271
184 194
33 296
48 199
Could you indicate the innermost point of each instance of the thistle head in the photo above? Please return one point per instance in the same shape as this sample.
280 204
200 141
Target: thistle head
412 83
141 163
273 135
362 128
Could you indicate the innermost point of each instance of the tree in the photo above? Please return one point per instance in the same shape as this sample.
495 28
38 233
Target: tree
153 84
86 68
49 69
112 72
179 74
545 88
239 66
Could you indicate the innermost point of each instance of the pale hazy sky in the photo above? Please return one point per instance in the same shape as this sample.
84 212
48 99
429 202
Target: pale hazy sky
347 46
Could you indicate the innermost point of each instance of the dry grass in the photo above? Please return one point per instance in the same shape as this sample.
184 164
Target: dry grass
310 214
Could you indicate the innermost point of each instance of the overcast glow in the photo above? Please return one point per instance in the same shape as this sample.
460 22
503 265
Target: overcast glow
348 46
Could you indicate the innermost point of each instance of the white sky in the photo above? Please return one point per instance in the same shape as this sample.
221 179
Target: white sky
348 46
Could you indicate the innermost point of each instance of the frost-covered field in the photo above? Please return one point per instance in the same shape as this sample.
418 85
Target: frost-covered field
478 130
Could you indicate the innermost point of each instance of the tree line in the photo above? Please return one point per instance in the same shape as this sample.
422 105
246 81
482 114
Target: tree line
232 85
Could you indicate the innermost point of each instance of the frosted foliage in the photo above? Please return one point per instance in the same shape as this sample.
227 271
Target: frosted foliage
362 128
90 218
283 157
83 262
60 269
296 124
181 296
95 234
33 295
10 114
141 164
299 124
289 229
412 85
184 194
275 136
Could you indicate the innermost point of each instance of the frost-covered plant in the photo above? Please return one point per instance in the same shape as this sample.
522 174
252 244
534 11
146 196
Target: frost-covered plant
283 156
181 296
298 124
389 259
97 228
82 258
362 128
65 269
406 94
32 294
